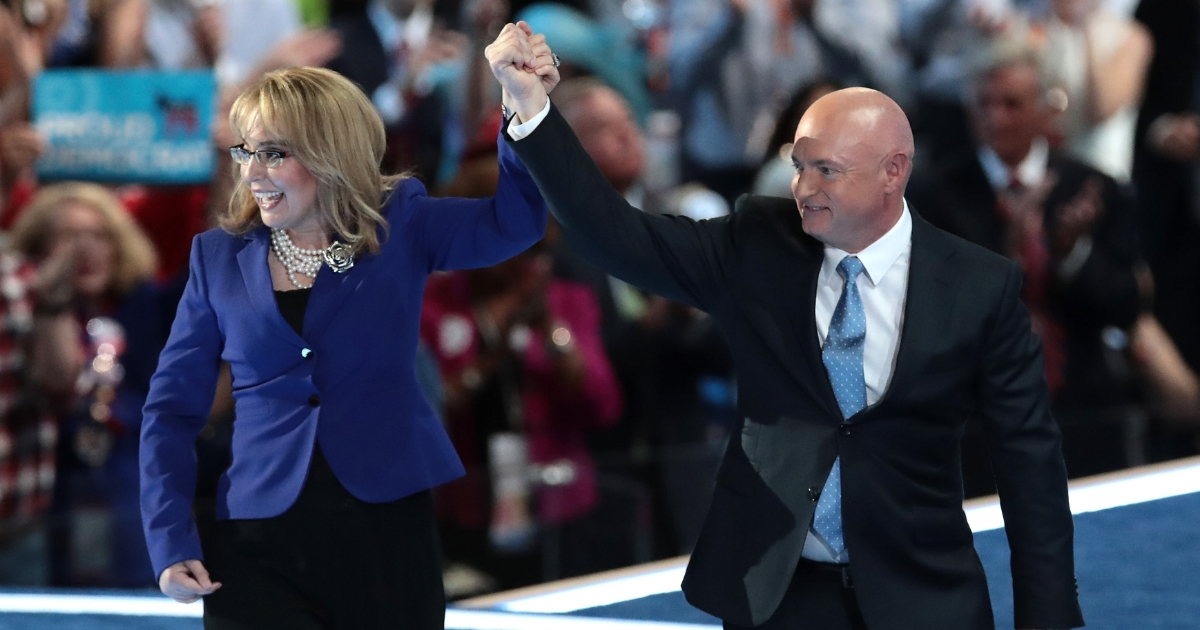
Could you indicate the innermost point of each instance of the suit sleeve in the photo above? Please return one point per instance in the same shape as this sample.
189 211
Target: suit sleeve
458 233
177 408
672 256
1031 477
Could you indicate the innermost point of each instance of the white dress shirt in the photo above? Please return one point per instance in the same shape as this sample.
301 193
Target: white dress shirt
521 131
1031 172
883 287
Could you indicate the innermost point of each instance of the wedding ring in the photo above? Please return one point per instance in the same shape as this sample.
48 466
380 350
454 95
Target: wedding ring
556 62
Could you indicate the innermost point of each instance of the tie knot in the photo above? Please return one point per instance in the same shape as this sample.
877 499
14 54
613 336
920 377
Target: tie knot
1015 185
850 267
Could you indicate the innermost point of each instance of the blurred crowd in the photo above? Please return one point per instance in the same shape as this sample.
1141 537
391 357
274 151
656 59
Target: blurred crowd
1064 134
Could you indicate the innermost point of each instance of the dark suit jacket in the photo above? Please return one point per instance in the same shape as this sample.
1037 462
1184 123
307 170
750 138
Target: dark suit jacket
959 199
966 346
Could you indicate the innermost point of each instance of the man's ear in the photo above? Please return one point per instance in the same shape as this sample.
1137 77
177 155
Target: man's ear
897 168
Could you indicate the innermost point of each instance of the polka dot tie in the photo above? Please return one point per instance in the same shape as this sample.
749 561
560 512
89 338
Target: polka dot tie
843 357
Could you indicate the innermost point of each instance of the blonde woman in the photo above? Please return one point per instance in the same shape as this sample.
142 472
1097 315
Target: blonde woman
97 265
312 293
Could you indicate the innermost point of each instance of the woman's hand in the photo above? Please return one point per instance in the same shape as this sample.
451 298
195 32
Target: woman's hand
186 581
524 65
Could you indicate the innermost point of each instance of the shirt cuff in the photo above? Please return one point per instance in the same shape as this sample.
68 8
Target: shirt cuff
522 130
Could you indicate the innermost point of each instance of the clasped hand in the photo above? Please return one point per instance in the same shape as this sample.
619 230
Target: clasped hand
524 65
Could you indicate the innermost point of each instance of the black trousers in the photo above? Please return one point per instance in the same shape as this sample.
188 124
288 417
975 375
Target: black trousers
818 598
330 562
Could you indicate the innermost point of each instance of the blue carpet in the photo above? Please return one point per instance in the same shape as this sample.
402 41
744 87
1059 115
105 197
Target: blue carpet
1137 566
44 621
664 607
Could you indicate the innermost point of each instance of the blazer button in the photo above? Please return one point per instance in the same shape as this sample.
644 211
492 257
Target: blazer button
844 428
306 353
814 494
314 401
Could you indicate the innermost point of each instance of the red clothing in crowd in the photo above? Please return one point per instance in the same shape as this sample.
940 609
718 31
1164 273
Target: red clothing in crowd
28 434
555 420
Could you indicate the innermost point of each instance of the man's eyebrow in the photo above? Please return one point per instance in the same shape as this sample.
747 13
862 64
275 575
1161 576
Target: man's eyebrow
819 162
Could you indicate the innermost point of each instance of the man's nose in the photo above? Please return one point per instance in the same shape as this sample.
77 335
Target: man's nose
802 185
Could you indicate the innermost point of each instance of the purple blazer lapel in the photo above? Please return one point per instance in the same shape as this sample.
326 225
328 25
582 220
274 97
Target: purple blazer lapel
257 275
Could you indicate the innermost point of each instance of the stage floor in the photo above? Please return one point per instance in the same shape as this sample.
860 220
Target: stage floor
1137 547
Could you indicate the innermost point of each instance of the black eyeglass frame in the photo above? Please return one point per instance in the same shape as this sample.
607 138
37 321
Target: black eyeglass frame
269 158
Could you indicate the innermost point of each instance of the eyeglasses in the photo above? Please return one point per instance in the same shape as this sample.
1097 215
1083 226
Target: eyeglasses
269 158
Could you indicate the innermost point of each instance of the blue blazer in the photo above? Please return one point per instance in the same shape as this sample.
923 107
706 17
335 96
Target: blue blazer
348 381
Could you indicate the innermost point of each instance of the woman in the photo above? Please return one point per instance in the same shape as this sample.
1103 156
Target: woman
80 232
312 294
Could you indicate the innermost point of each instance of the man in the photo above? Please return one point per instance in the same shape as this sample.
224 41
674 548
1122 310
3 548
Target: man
840 505
1073 232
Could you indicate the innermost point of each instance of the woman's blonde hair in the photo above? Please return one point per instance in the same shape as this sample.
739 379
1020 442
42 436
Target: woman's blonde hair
326 122
136 259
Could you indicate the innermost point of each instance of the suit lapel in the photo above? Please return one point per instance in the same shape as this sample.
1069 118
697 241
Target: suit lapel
927 306
257 275
802 309
789 324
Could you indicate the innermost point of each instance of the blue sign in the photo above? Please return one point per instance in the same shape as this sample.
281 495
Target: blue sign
138 126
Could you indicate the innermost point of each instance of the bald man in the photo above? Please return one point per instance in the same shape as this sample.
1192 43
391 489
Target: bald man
863 338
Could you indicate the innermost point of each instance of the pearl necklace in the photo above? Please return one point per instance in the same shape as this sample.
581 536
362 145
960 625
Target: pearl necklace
296 259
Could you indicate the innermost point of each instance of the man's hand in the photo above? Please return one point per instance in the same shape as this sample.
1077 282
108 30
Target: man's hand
186 581
1176 136
1078 217
524 66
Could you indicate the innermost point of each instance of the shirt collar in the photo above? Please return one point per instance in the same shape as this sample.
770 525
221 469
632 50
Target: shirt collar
1030 172
878 257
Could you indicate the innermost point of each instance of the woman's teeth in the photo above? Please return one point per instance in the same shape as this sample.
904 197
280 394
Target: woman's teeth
267 199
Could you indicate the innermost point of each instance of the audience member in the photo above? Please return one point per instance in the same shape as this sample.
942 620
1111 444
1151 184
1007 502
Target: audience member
525 378
1071 229
1100 59
734 65
1165 168
123 328
38 364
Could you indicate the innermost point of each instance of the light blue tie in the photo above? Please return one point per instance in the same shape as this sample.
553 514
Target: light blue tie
843 357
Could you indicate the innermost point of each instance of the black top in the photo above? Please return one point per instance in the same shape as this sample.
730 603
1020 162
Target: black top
292 305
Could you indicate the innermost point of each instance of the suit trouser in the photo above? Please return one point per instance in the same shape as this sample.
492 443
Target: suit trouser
818 598
331 561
